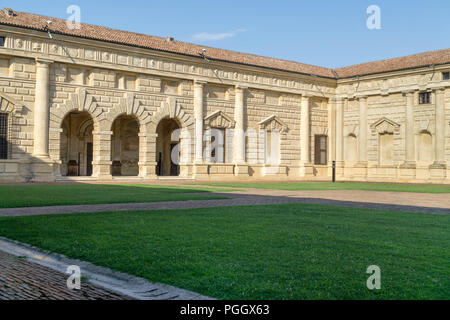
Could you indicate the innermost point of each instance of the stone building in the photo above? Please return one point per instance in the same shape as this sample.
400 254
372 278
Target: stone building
102 103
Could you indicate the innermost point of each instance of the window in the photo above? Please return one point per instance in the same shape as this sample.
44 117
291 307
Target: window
3 136
2 41
218 145
272 147
424 97
446 76
321 146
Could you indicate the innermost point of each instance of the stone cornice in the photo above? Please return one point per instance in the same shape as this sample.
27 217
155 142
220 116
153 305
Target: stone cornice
87 52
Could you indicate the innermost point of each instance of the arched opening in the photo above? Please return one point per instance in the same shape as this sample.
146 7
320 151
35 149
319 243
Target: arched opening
425 146
167 157
77 147
125 146
351 148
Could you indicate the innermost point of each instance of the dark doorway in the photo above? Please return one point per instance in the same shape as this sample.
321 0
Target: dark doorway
89 158
168 138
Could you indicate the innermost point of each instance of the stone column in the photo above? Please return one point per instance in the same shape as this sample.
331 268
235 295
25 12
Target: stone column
305 137
339 132
360 168
239 132
362 130
410 160
199 116
42 108
305 131
440 162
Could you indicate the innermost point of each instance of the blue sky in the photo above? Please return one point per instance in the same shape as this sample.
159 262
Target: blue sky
325 33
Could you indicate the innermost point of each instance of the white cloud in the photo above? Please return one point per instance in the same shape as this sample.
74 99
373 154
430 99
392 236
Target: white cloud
205 36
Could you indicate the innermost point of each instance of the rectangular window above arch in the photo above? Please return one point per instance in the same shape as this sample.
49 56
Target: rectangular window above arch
3 136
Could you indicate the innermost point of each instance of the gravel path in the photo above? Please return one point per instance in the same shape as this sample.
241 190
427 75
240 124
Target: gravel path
397 201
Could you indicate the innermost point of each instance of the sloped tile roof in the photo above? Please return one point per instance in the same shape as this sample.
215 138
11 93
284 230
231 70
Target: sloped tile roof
59 26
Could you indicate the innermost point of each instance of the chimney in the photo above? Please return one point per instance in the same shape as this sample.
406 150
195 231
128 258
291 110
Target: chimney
170 39
9 12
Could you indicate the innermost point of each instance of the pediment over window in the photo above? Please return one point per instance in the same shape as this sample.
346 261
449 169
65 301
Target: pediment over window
385 125
219 119
9 105
273 123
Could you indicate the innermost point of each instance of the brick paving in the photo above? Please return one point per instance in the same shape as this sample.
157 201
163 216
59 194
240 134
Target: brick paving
24 280
21 279
397 201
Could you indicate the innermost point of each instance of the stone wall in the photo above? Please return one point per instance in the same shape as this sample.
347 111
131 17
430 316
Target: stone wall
107 81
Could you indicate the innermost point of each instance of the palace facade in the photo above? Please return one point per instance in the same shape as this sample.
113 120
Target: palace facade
104 103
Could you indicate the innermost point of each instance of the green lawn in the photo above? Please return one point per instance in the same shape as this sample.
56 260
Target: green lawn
338 186
74 194
289 251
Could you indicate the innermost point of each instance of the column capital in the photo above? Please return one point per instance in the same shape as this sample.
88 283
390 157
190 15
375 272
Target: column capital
439 89
239 87
200 82
361 97
43 61
103 133
409 92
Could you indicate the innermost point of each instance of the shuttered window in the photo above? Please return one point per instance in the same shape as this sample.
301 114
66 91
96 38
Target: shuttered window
3 136
320 150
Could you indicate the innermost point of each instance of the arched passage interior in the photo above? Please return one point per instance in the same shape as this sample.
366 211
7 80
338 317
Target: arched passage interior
77 145
125 146
166 146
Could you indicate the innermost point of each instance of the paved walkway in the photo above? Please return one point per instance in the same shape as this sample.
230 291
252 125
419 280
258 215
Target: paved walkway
24 280
28 273
398 201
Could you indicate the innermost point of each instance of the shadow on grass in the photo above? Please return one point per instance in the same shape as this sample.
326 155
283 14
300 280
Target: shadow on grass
81 194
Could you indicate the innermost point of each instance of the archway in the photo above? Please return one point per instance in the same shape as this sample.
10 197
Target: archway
167 144
77 147
125 146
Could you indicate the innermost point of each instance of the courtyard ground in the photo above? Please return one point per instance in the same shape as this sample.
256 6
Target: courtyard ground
259 243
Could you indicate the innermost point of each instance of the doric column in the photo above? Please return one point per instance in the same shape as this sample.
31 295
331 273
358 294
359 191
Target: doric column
305 131
339 131
440 129
199 116
239 131
42 108
362 129
409 129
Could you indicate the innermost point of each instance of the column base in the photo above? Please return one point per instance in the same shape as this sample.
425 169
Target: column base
438 170
201 171
102 170
360 169
147 170
306 170
408 165
241 171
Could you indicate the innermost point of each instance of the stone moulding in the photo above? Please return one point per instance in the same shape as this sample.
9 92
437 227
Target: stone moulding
171 109
219 119
9 105
385 125
273 123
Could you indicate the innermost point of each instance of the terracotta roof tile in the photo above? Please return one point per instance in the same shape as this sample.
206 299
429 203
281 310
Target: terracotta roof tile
38 22
413 61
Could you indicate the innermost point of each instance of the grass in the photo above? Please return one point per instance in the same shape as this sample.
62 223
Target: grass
338 186
291 251
77 194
